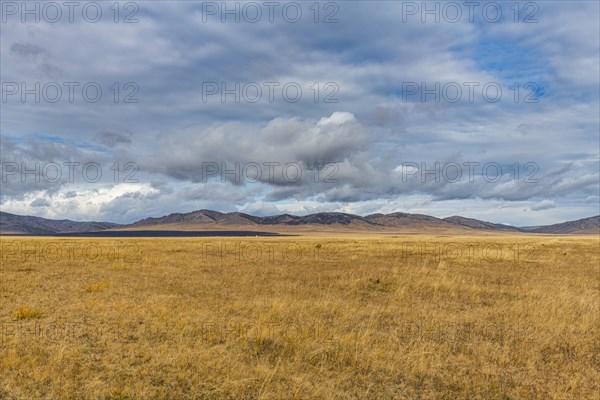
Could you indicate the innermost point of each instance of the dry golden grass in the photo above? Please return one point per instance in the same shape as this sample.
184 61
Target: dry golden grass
27 313
356 317
97 287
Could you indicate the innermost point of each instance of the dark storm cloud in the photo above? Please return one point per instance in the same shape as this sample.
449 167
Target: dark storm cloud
111 139
25 49
40 203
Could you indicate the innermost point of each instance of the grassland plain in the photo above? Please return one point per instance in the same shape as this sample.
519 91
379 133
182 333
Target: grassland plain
345 317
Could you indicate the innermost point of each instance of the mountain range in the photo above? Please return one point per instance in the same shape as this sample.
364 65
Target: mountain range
327 221
12 223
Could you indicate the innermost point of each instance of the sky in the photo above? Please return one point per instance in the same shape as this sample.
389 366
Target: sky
120 111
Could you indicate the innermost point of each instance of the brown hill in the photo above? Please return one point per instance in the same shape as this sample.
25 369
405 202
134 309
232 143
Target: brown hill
581 226
28 225
477 224
329 222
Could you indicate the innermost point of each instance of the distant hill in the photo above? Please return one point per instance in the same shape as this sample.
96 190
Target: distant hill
414 221
236 218
581 226
199 217
337 220
12 223
329 221
477 224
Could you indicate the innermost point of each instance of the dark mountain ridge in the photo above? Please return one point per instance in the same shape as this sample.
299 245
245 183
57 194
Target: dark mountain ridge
12 223
38 226
584 225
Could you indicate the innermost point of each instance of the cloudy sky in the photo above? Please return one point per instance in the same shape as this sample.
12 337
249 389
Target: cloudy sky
118 113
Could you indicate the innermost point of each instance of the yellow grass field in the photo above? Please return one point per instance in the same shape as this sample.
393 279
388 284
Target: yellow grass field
345 317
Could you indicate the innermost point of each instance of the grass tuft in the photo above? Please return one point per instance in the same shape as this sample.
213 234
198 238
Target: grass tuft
27 313
97 287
